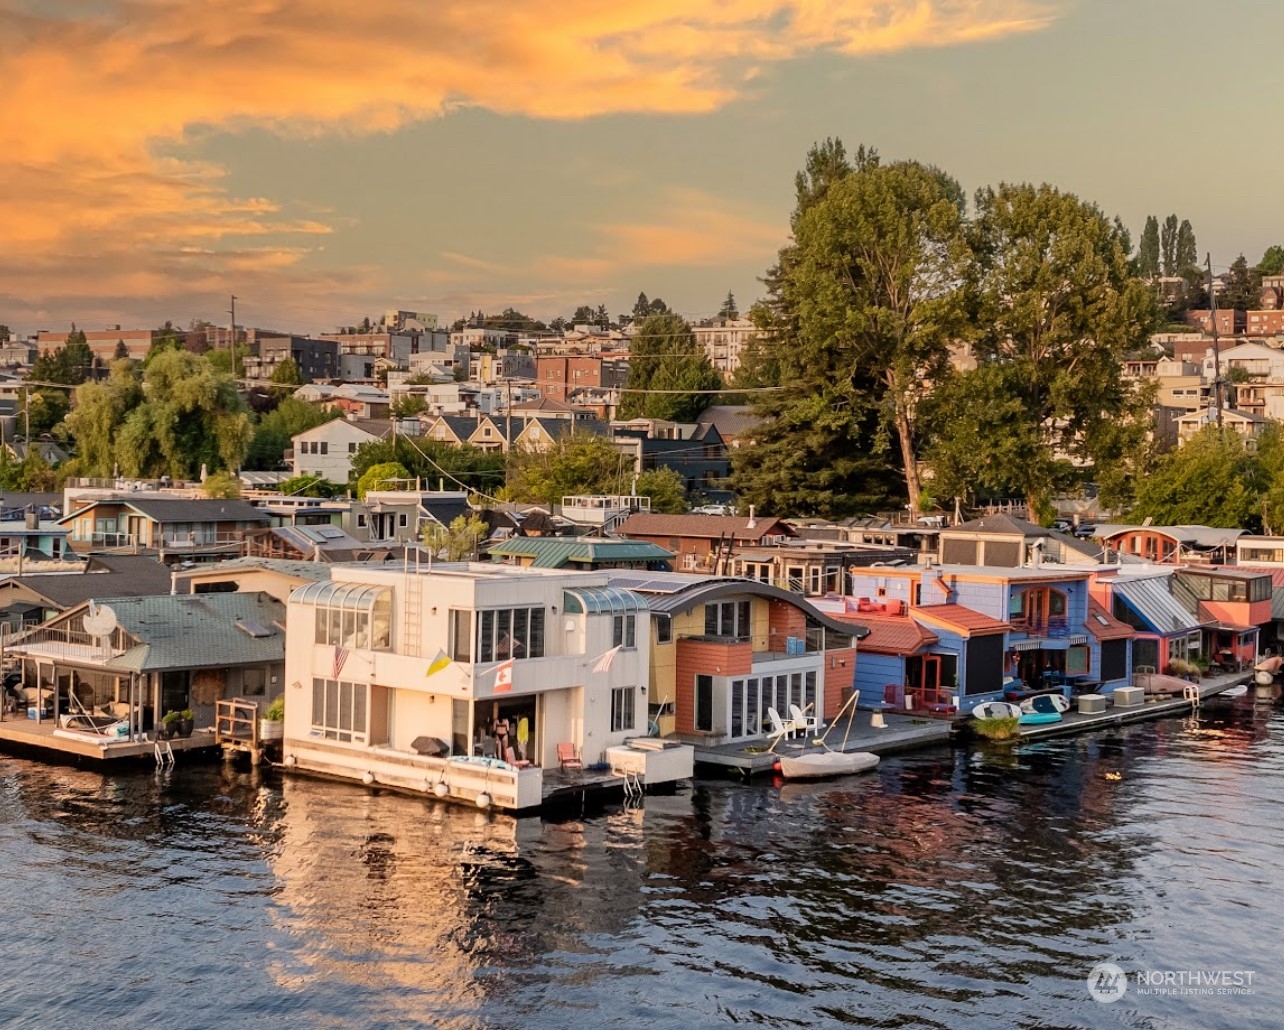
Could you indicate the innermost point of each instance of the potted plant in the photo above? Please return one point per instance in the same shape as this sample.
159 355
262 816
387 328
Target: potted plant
272 725
186 723
168 726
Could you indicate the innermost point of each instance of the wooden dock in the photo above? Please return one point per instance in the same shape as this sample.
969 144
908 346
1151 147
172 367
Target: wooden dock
1152 708
30 739
902 733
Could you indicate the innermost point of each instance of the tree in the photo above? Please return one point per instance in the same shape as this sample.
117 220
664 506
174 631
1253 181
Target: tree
584 315
759 358
191 416
5 333
1168 245
1211 480
287 373
383 476
1148 249
666 488
1058 309
458 541
581 463
164 338
602 316
641 308
310 485
664 356
274 431
877 281
408 405
729 309
1243 289
121 351
1272 263
222 485
1187 252
100 413
433 461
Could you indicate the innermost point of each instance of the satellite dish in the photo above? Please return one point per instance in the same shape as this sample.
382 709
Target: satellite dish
100 621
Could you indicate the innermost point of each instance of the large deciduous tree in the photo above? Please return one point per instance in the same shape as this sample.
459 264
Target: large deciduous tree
1272 262
875 284
1058 308
101 410
582 463
664 356
1211 480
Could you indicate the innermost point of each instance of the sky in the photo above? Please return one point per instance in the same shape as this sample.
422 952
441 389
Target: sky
324 160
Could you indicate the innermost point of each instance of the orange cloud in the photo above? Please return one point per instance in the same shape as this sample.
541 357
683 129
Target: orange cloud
97 101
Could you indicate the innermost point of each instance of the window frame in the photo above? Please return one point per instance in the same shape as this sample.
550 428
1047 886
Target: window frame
624 707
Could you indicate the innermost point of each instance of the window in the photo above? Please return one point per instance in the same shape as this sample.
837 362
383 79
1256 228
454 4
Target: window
352 448
325 447
253 682
663 629
352 616
461 635
510 633
402 520
339 710
361 518
622 708
624 631
704 703
727 619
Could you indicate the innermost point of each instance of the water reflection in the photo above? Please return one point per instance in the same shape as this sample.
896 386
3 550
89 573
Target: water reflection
954 888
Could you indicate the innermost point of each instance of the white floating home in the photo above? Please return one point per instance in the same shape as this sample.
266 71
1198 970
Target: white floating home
482 683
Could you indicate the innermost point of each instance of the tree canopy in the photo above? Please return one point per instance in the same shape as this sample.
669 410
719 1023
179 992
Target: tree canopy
1272 262
665 356
1211 480
272 435
581 463
386 475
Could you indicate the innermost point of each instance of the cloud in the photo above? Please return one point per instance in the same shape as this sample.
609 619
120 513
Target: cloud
99 101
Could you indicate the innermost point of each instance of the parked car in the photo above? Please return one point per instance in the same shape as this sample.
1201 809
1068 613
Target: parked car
1085 530
1063 525
713 509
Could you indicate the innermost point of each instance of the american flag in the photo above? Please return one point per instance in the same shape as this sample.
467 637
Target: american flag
340 656
604 660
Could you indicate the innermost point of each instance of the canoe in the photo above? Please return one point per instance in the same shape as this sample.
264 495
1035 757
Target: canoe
996 710
819 764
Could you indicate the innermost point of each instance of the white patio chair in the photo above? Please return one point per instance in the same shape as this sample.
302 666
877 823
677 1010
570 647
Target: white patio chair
805 719
781 727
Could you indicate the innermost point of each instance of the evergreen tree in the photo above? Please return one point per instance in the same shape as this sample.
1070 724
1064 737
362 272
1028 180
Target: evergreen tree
1243 289
664 355
1148 249
1187 252
729 309
1168 245
641 308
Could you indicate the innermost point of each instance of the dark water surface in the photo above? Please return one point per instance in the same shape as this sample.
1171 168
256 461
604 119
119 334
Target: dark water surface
950 889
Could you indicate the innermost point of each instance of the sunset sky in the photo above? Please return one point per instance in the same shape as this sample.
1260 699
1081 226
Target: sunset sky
326 159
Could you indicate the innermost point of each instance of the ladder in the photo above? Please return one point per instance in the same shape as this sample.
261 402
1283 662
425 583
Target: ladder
164 754
411 642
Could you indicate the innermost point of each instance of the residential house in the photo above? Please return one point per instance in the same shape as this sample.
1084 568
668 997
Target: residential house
580 552
35 597
1234 605
1171 545
726 650
327 450
735 423
303 543
176 528
166 654
559 375
1165 629
705 543
1005 541
276 577
499 672
1052 636
696 453
400 515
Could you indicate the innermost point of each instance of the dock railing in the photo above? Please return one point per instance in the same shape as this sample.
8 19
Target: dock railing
237 722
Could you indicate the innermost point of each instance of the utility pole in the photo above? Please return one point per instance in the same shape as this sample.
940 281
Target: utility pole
232 311
1217 351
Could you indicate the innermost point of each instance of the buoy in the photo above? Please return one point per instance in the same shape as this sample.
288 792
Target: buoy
291 761
441 790
483 800
776 765
367 778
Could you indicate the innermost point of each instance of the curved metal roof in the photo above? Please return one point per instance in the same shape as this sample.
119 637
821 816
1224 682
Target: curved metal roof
702 591
597 600
349 596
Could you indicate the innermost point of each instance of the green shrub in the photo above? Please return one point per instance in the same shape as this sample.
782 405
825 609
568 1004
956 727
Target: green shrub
997 729
276 710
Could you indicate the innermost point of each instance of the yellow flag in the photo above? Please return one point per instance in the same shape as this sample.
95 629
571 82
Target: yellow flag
438 663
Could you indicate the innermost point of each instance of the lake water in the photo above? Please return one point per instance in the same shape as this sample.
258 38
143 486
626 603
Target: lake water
954 888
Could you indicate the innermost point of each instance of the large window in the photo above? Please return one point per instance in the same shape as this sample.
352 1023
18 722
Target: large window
504 633
625 630
349 615
663 629
727 619
339 710
704 703
623 700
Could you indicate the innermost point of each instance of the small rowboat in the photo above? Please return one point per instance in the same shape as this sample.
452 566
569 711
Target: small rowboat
1042 709
996 710
1058 703
819 764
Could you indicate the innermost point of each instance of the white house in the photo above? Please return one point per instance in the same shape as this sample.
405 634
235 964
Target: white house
328 449
501 671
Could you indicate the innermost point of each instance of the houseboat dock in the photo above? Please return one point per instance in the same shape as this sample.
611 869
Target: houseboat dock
902 733
28 738
1153 708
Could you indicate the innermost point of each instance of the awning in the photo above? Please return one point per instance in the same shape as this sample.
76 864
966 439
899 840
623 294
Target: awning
1027 645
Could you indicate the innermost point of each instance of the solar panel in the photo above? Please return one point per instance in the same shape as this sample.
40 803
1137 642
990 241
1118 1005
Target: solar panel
252 628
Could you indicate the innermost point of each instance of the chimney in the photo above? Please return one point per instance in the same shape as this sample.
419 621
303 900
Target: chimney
752 521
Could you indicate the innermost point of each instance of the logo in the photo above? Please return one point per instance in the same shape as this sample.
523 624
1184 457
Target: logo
1107 983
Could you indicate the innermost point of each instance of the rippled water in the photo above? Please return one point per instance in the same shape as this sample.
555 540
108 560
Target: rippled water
950 889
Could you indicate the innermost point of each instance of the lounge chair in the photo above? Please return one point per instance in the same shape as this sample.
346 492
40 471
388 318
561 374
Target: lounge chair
805 718
781 727
567 758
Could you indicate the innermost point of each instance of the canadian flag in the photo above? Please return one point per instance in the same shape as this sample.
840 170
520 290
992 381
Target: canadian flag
504 677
